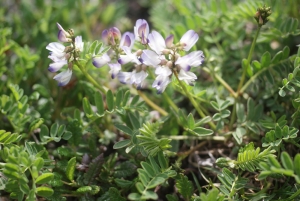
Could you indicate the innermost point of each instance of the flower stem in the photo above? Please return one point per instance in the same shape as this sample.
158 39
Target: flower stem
223 82
248 61
152 104
197 107
90 78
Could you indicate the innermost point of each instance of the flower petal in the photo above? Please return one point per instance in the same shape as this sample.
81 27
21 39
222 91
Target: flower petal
189 39
156 42
63 78
101 61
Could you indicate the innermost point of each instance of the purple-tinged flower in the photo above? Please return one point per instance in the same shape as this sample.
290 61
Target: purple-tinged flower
57 65
163 79
124 77
129 57
156 42
78 43
187 77
64 77
111 36
63 36
169 41
101 61
127 40
138 78
56 49
193 59
141 31
189 39
150 58
114 69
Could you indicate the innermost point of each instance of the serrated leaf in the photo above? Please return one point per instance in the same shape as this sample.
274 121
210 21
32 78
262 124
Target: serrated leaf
185 187
121 144
71 168
44 178
44 191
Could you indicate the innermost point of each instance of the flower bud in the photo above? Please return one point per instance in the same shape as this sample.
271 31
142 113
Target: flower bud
111 36
169 41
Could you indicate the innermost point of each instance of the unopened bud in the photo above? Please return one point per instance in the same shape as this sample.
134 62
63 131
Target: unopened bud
139 52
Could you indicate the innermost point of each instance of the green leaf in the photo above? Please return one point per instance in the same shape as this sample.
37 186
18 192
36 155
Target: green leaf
44 178
71 168
99 103
150 195
124 128
265 59
162 160
36 124
146 166
155 182
185 187
53 130
191 121
282 93
119 98
297 165
44 191
134 120
87 108
38 163
200 131
122 144
67 135
277 57
134 196
110 100
256 65
273 161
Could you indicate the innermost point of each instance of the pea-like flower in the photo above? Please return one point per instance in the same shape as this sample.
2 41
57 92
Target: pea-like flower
189 39
193 59
141 31
63 36
163 78
187 77
101 61
114 69
111 36
64 77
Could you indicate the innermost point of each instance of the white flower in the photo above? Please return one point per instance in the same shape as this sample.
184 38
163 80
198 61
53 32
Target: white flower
63 78
56 49
114 69
127 40
78 43
137 78
193 59
129 57
57 65
163 79
141 31
150 58
156 42
62 35
124 77
101 61
187 77
189 39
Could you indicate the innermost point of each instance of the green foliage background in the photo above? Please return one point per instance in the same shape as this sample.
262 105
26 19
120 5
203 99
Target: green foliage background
75 143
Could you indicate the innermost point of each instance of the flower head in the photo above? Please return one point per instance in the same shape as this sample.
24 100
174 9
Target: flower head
63 36
187 77
163 79
193 59
101 61
141 31
114 69
64 77
111 36
189 39
127 40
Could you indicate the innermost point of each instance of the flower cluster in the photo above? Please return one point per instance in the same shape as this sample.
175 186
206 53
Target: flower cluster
159 53
61 55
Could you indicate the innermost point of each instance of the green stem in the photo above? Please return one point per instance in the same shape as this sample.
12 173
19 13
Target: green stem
246 85
90 78
248 61
223 82
233 115
152 104
186 137
200 112
170 101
